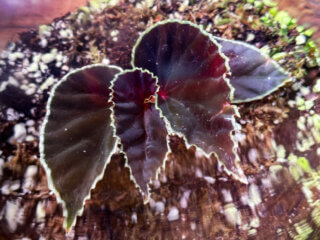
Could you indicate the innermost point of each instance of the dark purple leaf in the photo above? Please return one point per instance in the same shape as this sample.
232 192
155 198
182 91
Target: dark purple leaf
77 139
139 125
253 75
193 88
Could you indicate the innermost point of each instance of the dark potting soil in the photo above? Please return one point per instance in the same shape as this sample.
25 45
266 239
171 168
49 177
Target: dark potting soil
193 198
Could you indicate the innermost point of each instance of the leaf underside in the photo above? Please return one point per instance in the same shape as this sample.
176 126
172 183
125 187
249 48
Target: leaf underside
138 124
77 138
193 90
253 75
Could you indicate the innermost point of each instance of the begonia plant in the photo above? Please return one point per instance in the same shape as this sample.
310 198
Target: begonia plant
183 82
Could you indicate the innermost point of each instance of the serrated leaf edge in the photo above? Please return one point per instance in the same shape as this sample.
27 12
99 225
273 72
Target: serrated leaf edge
42 148
146 197
170 130
200 28
273 62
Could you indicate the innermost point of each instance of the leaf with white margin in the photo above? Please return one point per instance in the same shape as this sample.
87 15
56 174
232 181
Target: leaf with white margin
77 137
139 125
194 90
253 74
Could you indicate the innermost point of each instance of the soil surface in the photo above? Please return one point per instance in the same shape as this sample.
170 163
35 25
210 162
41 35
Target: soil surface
307 12
19 16
193 199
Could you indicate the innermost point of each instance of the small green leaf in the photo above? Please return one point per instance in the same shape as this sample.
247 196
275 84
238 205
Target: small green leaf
223 21
304 164
311 44
269 3
258 4
279 56
273 11
316 87
300 29
283 18
309 32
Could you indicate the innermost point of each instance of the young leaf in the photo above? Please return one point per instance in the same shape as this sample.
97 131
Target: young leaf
193 89
139 124
253 75
77 138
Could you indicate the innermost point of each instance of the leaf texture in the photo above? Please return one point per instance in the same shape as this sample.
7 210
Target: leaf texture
77 138
253 75
139 124
193 90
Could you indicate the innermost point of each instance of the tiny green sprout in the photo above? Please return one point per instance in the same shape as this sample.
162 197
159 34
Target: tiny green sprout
300 29
304 104
279 56
316 215
284 19
258 4
316 87
273 11
270 3
303 163
309 32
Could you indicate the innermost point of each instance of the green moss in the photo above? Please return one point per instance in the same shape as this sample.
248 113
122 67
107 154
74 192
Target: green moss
303 163
285 20
269 3
265 50
258 5
316 121
304 104
316 87
223 21
273 11
316 214
305 144
279 56
252 232
303 229
295 172
309 32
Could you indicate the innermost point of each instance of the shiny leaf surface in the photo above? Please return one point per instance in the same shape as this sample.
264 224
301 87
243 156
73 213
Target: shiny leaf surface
193 88
77 139
139 125
253 75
